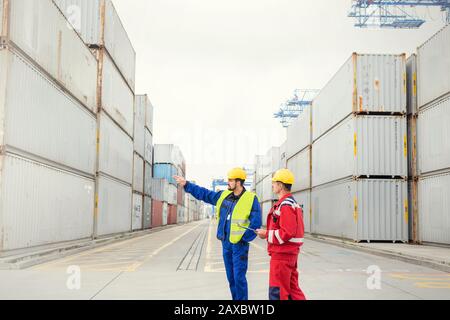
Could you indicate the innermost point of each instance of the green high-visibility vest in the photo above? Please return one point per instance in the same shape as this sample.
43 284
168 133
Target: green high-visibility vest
240 215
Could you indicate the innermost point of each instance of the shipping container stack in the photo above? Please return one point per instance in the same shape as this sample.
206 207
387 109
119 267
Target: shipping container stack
143 142
359 152
101 29
166 195
48 128
265 167
298 154
431 108
142 167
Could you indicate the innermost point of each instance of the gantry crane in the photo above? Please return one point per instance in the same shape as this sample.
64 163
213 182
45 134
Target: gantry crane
394 14
292 108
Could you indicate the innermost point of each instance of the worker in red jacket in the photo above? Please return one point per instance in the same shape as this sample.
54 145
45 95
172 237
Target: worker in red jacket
285 231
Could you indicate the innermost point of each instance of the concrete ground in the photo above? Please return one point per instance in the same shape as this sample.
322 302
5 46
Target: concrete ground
185 263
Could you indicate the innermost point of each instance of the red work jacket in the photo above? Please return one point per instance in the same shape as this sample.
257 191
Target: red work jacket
285 228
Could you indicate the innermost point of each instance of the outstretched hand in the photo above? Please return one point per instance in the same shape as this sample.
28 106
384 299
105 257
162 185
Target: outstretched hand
180 180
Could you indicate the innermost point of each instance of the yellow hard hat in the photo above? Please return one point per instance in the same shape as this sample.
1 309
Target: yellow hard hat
285 176
237 173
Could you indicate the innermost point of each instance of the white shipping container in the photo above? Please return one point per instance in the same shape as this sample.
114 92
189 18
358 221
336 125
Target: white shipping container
304 200
39 29
147 212
411 83
366 83
148 174
40 119
434 208
258 168
139 127
433 139
412 146
41 205
148 152
299 133
162 190
147 106
271 161
138 174
266 207
361 210
115 150
137 213
433 67
361 146
114 206
116 97
300 166
283 155
165 214
267 192
98 24
168 153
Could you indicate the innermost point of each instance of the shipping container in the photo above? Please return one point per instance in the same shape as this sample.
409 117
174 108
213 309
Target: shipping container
148 174
115 150
283 156
147 214
271 162
361 210
299 133
180 214
180 196
172 212
40 31
300 166
138 174
433 64
41 205
114 206
139 127
434 208
433 139
366 83
264 190
413 210
147 106
168 153
303 198
165 214
412 146
116 98
258 168
137 214
361 146
162 190
157 213
98 24
266 207
39 118
411 84
148 152
165 171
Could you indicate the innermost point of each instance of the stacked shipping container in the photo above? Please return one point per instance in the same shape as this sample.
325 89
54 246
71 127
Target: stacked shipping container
168 161
265 167
359 151
429 110
47 103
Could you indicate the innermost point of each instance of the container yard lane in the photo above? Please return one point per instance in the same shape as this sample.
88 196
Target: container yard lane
185 262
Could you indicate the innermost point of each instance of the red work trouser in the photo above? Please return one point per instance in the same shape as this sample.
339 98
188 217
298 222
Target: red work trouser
283 282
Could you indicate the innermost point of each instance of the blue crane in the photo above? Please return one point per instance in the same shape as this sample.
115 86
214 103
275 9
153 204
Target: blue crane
394 14
292 108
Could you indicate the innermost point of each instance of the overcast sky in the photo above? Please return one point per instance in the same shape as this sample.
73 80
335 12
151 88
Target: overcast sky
216 71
